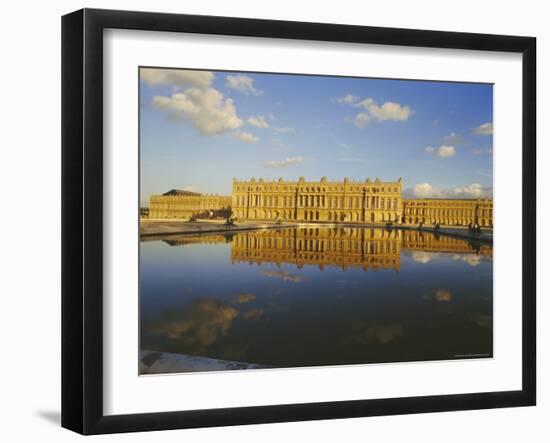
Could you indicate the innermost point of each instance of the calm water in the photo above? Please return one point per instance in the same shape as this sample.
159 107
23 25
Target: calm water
317 296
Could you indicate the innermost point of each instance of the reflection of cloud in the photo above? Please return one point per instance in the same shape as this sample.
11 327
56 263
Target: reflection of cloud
285 276
471 259
198 325
443 295
482 320
384 333
244 298
421 257
253 314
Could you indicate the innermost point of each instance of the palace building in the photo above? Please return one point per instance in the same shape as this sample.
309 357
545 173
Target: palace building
454 212
347 201
177 204
321 201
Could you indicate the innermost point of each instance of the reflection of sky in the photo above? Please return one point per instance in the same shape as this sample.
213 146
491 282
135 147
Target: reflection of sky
438 305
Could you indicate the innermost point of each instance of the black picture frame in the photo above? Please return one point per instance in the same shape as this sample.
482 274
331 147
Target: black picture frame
82 220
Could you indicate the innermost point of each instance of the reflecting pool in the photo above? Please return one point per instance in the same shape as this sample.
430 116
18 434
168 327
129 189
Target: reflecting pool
317 296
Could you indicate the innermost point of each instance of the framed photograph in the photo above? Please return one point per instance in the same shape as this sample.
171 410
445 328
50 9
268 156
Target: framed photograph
269 221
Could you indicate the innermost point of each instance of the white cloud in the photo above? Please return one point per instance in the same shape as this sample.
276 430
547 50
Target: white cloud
258 121
282 129
453 138
475 190
289 161
388 111
242 83
443 151
479 151
361 119
352 159
246 137
484 129
206 109
427 190
374 112
176 77
446 151
347 99
485 172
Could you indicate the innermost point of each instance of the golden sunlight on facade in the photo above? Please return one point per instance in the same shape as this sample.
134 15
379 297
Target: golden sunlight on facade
186 204
347 201
322 201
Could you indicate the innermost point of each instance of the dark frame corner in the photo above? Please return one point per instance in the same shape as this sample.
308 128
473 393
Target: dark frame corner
82 254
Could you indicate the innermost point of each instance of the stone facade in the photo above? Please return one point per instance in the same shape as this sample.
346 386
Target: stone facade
413 240
453 212
319 201
345 201
177 204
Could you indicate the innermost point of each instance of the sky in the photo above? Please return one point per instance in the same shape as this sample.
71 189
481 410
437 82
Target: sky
200 129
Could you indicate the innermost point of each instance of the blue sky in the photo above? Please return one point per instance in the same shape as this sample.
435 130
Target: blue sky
199 129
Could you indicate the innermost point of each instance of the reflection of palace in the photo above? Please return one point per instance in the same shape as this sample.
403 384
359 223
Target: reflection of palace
342 247
428 242
326 201
345 247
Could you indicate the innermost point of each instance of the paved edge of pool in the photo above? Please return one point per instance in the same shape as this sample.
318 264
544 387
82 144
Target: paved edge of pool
157 229
164 229
152 362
